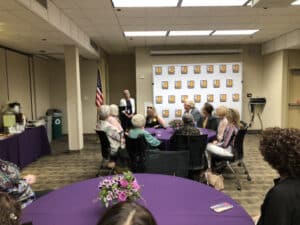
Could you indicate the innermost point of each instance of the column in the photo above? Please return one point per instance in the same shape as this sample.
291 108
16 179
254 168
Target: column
74 106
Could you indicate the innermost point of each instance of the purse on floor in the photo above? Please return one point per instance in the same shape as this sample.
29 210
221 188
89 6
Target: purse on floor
217 181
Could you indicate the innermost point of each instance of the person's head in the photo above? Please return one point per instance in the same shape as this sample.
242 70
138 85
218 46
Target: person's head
281 149
127 213
207 109
10 210
221 111
233 117
126 94
188 120
188 105
104 112
138 121
114 110
151 111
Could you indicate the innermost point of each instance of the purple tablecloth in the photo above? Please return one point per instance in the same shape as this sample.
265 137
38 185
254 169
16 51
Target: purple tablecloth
172 200
164 135
24 148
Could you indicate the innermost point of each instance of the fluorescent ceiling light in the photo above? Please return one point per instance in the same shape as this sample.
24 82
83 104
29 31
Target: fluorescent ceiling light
190 3
190 33
296 2
234 32
144 3
145 33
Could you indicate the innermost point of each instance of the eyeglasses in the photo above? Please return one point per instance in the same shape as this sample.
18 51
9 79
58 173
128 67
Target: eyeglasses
149 107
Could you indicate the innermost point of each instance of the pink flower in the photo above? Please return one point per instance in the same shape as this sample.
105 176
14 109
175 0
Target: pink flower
122 196
135 186
124 183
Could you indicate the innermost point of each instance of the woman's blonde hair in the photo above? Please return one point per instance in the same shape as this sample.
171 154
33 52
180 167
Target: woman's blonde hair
233 117
221 111
114 110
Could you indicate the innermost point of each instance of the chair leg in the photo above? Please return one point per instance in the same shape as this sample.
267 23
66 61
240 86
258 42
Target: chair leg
238 183
246 170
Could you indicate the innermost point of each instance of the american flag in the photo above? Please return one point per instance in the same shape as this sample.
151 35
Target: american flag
99 95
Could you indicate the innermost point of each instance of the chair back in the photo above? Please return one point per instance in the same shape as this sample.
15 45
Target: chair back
105 145
136 148
195 145
167 162
239 144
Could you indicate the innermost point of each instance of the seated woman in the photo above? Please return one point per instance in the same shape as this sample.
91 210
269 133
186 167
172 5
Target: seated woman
281 149
115 137
225 147
113 118
138 121
188 128
154 120
10 210
12 183
221 114
127 213
207 120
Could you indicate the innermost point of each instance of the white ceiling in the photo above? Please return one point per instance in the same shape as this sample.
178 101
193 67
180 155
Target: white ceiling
23 30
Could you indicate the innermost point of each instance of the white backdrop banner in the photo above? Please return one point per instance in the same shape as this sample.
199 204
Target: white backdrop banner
216 83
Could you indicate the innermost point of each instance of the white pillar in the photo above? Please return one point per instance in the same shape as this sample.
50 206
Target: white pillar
74 106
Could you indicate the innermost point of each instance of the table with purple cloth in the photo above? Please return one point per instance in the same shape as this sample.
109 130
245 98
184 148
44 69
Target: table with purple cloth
172 200
165 135
26 147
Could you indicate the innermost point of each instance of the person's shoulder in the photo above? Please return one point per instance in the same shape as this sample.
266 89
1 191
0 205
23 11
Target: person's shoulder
285 190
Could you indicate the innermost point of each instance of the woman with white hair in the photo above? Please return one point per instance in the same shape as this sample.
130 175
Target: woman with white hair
113 118
116 138
138 121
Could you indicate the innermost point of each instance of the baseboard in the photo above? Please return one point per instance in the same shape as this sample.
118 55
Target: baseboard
254 131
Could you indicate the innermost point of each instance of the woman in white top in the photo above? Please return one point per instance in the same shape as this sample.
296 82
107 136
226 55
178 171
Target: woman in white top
127 109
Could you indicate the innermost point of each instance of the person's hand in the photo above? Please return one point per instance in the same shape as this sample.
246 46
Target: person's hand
30 179
215 142
129 116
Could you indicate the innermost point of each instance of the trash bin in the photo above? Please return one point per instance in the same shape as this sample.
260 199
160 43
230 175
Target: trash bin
56 117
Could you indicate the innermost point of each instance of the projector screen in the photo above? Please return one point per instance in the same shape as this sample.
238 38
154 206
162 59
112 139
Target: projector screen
216 83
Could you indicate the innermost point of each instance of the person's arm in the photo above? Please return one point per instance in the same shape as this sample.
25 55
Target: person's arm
276 209
228 135
151 140
161 121
133 106
221 129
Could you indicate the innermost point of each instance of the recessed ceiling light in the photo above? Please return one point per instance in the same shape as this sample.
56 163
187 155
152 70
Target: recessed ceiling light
195 3
145 33
296 2
190 33
144 3
234 32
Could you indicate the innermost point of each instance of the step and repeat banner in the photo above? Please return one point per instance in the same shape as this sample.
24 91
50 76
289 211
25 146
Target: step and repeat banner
216 83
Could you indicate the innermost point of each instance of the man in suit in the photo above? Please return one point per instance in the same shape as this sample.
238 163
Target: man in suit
189 108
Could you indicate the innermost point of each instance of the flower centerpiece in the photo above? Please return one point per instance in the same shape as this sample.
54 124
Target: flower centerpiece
119 188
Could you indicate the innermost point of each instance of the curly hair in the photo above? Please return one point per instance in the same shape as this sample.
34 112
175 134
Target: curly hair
281 149
10 210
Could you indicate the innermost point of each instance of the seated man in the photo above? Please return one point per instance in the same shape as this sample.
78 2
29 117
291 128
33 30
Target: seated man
138 121
207 120
12 183
115 137
189 108
188 128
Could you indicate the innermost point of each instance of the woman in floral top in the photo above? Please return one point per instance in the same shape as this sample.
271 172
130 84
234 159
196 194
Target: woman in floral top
14 185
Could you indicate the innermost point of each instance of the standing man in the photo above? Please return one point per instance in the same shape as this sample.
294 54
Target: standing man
127 110
189 108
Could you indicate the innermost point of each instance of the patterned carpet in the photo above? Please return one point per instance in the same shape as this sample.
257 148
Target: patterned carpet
61 168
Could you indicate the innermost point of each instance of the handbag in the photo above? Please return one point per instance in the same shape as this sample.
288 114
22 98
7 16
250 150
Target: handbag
217 181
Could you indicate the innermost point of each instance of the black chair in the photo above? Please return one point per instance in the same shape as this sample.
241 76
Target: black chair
238 156
136 148
196 146
173 163
105 145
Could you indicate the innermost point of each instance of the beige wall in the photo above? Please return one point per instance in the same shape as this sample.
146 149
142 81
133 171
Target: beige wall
252 74
274 89
121 76
3 79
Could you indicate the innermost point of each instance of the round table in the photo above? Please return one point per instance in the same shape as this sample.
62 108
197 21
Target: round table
172 200
165 135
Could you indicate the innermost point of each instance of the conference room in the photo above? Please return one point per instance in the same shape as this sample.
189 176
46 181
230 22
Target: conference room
145 112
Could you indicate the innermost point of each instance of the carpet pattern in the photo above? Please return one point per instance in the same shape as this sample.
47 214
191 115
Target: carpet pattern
62 168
